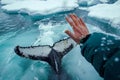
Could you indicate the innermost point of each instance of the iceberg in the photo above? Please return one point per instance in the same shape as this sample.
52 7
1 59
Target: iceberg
39 7
106 12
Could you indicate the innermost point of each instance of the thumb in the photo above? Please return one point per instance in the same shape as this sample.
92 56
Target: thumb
69 33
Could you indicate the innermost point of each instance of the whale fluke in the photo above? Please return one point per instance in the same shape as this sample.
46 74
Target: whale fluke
51 54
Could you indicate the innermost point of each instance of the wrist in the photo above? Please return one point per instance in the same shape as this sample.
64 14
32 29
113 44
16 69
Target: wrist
84 39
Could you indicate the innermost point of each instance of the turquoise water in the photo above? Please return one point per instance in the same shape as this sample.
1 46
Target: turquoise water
14 30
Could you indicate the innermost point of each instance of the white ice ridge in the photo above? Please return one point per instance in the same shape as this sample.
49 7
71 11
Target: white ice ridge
39 7
110 12
9 1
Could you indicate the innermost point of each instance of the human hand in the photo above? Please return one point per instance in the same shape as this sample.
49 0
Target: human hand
80 30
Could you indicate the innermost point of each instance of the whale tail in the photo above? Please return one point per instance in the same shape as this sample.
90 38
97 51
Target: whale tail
51 54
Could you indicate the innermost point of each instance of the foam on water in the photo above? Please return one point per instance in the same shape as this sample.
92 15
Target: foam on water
50 33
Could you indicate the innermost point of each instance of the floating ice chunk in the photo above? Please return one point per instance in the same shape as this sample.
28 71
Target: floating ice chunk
38 7
108 49
116 59
112 15
9 1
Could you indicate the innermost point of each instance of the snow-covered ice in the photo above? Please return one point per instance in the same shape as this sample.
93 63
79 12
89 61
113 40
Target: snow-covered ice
40 7
116 59
9 1
110 12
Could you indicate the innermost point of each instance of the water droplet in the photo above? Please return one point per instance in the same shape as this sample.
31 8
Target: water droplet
116 59
104 58
103 38
23 27
108 49
109 42
101 44
96 50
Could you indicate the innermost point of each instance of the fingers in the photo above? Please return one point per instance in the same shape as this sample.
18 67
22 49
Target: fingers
77 22
78 26
82 23
69 20
70 34
85 29
73 21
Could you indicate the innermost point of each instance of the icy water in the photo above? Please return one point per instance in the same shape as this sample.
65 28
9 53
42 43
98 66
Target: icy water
17 29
